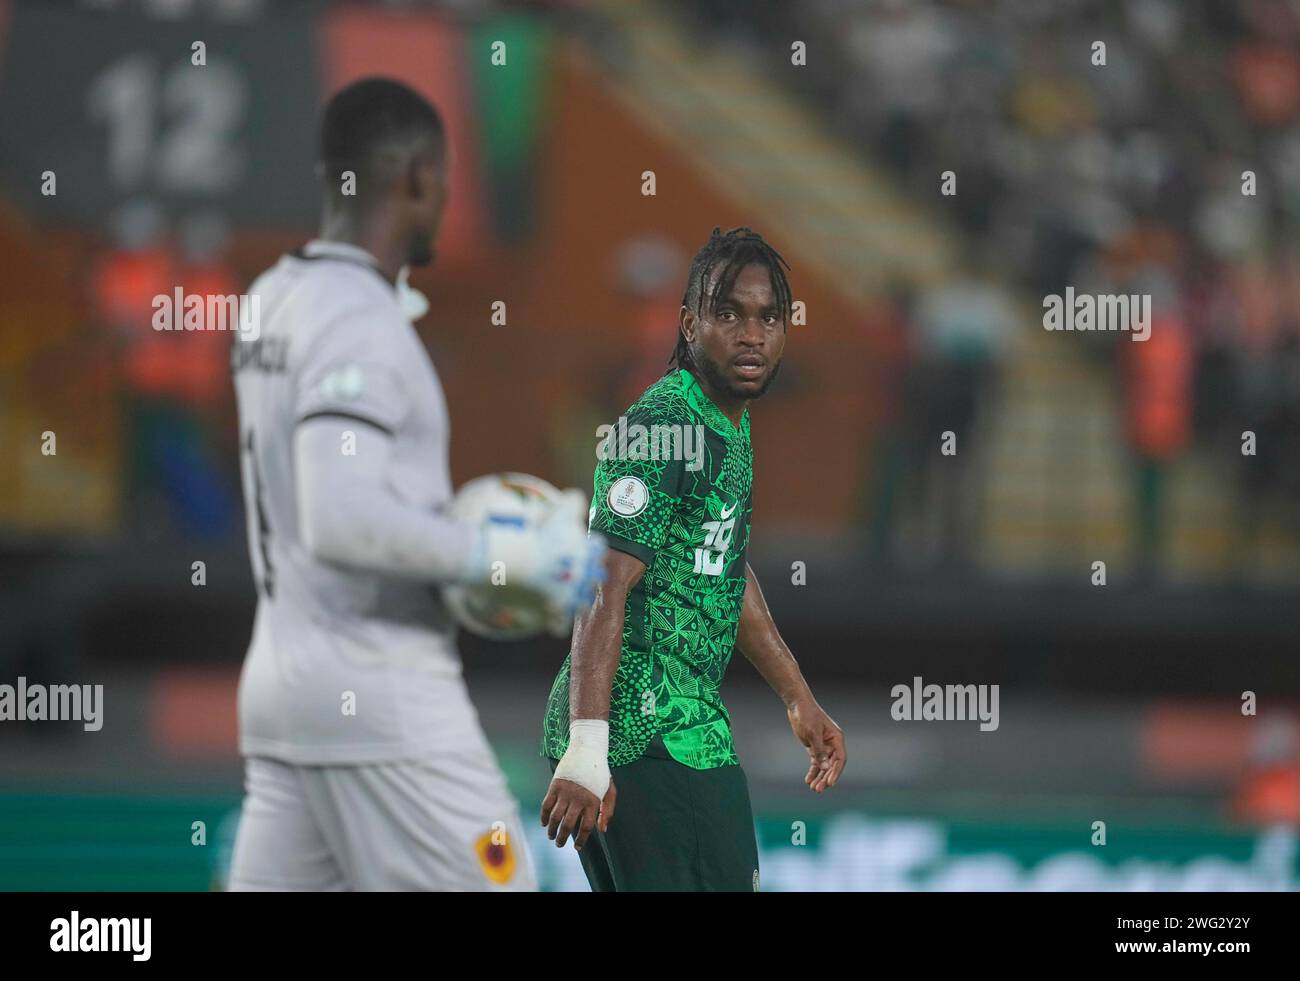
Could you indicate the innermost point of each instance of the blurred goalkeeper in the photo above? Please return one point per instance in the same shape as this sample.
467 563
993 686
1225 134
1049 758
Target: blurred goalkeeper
366 767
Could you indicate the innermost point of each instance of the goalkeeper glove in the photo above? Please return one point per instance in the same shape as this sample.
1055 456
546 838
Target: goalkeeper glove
557 558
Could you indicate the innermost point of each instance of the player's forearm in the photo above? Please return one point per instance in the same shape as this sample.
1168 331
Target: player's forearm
593 662
362 531
761 643
598 639
597 649
348 516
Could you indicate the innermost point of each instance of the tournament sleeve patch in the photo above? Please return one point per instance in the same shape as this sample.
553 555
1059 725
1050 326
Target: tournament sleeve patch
363 391
628 496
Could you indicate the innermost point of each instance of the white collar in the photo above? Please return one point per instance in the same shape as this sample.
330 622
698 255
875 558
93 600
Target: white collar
343 250
414 303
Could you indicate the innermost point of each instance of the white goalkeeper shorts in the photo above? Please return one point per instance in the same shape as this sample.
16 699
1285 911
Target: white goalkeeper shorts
445 823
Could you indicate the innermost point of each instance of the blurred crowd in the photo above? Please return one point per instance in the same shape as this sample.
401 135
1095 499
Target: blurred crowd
180 457
1117 147
1150 146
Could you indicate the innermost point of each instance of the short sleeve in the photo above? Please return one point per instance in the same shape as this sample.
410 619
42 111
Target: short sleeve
353 372
637 488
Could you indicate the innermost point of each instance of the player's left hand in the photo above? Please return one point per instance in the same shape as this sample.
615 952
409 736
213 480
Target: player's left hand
823 739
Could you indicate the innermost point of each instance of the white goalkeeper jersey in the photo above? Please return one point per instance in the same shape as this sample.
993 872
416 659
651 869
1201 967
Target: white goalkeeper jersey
345 665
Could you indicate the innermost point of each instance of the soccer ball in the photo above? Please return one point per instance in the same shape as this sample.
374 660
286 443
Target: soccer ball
501 612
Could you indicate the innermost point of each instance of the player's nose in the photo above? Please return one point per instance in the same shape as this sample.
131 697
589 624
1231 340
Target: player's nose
751 333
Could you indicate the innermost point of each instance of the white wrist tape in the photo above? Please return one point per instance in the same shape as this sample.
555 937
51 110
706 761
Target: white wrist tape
586 761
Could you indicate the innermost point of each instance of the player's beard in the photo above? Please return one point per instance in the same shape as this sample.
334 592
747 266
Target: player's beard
721 383
422 251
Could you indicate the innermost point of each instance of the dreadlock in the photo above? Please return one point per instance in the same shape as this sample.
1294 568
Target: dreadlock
735 249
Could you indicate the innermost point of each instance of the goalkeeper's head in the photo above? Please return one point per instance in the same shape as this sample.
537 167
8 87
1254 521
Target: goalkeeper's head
384 162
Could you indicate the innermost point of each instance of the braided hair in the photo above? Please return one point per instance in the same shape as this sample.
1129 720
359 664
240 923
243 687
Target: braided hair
734 250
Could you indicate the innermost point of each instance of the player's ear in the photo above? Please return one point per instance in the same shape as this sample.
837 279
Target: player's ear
416 187
686 323
427 179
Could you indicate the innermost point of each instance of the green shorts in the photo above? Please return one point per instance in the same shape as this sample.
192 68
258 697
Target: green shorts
675 829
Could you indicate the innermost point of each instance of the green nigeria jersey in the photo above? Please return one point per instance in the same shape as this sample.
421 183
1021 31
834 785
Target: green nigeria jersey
675 494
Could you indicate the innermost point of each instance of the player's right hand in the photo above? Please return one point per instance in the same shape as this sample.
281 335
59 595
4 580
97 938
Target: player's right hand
572 811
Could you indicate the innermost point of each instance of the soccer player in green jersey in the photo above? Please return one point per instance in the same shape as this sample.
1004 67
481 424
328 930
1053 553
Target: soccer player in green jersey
636 703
